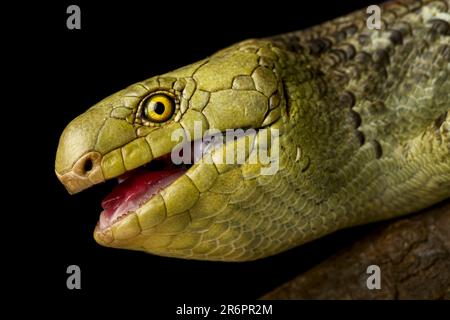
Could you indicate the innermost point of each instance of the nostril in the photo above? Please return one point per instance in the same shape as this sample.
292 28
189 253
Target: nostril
88 165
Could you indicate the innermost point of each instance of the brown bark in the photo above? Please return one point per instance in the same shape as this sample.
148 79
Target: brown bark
413 255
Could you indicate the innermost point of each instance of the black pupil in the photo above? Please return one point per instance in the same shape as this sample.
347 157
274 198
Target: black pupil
159 108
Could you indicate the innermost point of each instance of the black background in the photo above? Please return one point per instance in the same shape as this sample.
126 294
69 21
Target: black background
66 71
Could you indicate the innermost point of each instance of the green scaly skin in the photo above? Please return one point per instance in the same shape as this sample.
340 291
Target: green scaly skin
364 135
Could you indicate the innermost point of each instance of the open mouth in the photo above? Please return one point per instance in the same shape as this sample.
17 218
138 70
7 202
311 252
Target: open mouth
138 186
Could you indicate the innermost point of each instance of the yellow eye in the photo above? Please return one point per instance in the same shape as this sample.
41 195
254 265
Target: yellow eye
158 108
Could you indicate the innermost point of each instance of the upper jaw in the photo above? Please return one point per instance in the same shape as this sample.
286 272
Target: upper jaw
87 170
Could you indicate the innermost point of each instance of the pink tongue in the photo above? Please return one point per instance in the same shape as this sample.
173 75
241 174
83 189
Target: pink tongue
139 185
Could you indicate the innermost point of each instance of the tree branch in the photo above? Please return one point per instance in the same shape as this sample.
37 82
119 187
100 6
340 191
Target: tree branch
413 255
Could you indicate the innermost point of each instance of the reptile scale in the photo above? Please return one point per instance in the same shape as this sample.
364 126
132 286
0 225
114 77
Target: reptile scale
364 135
